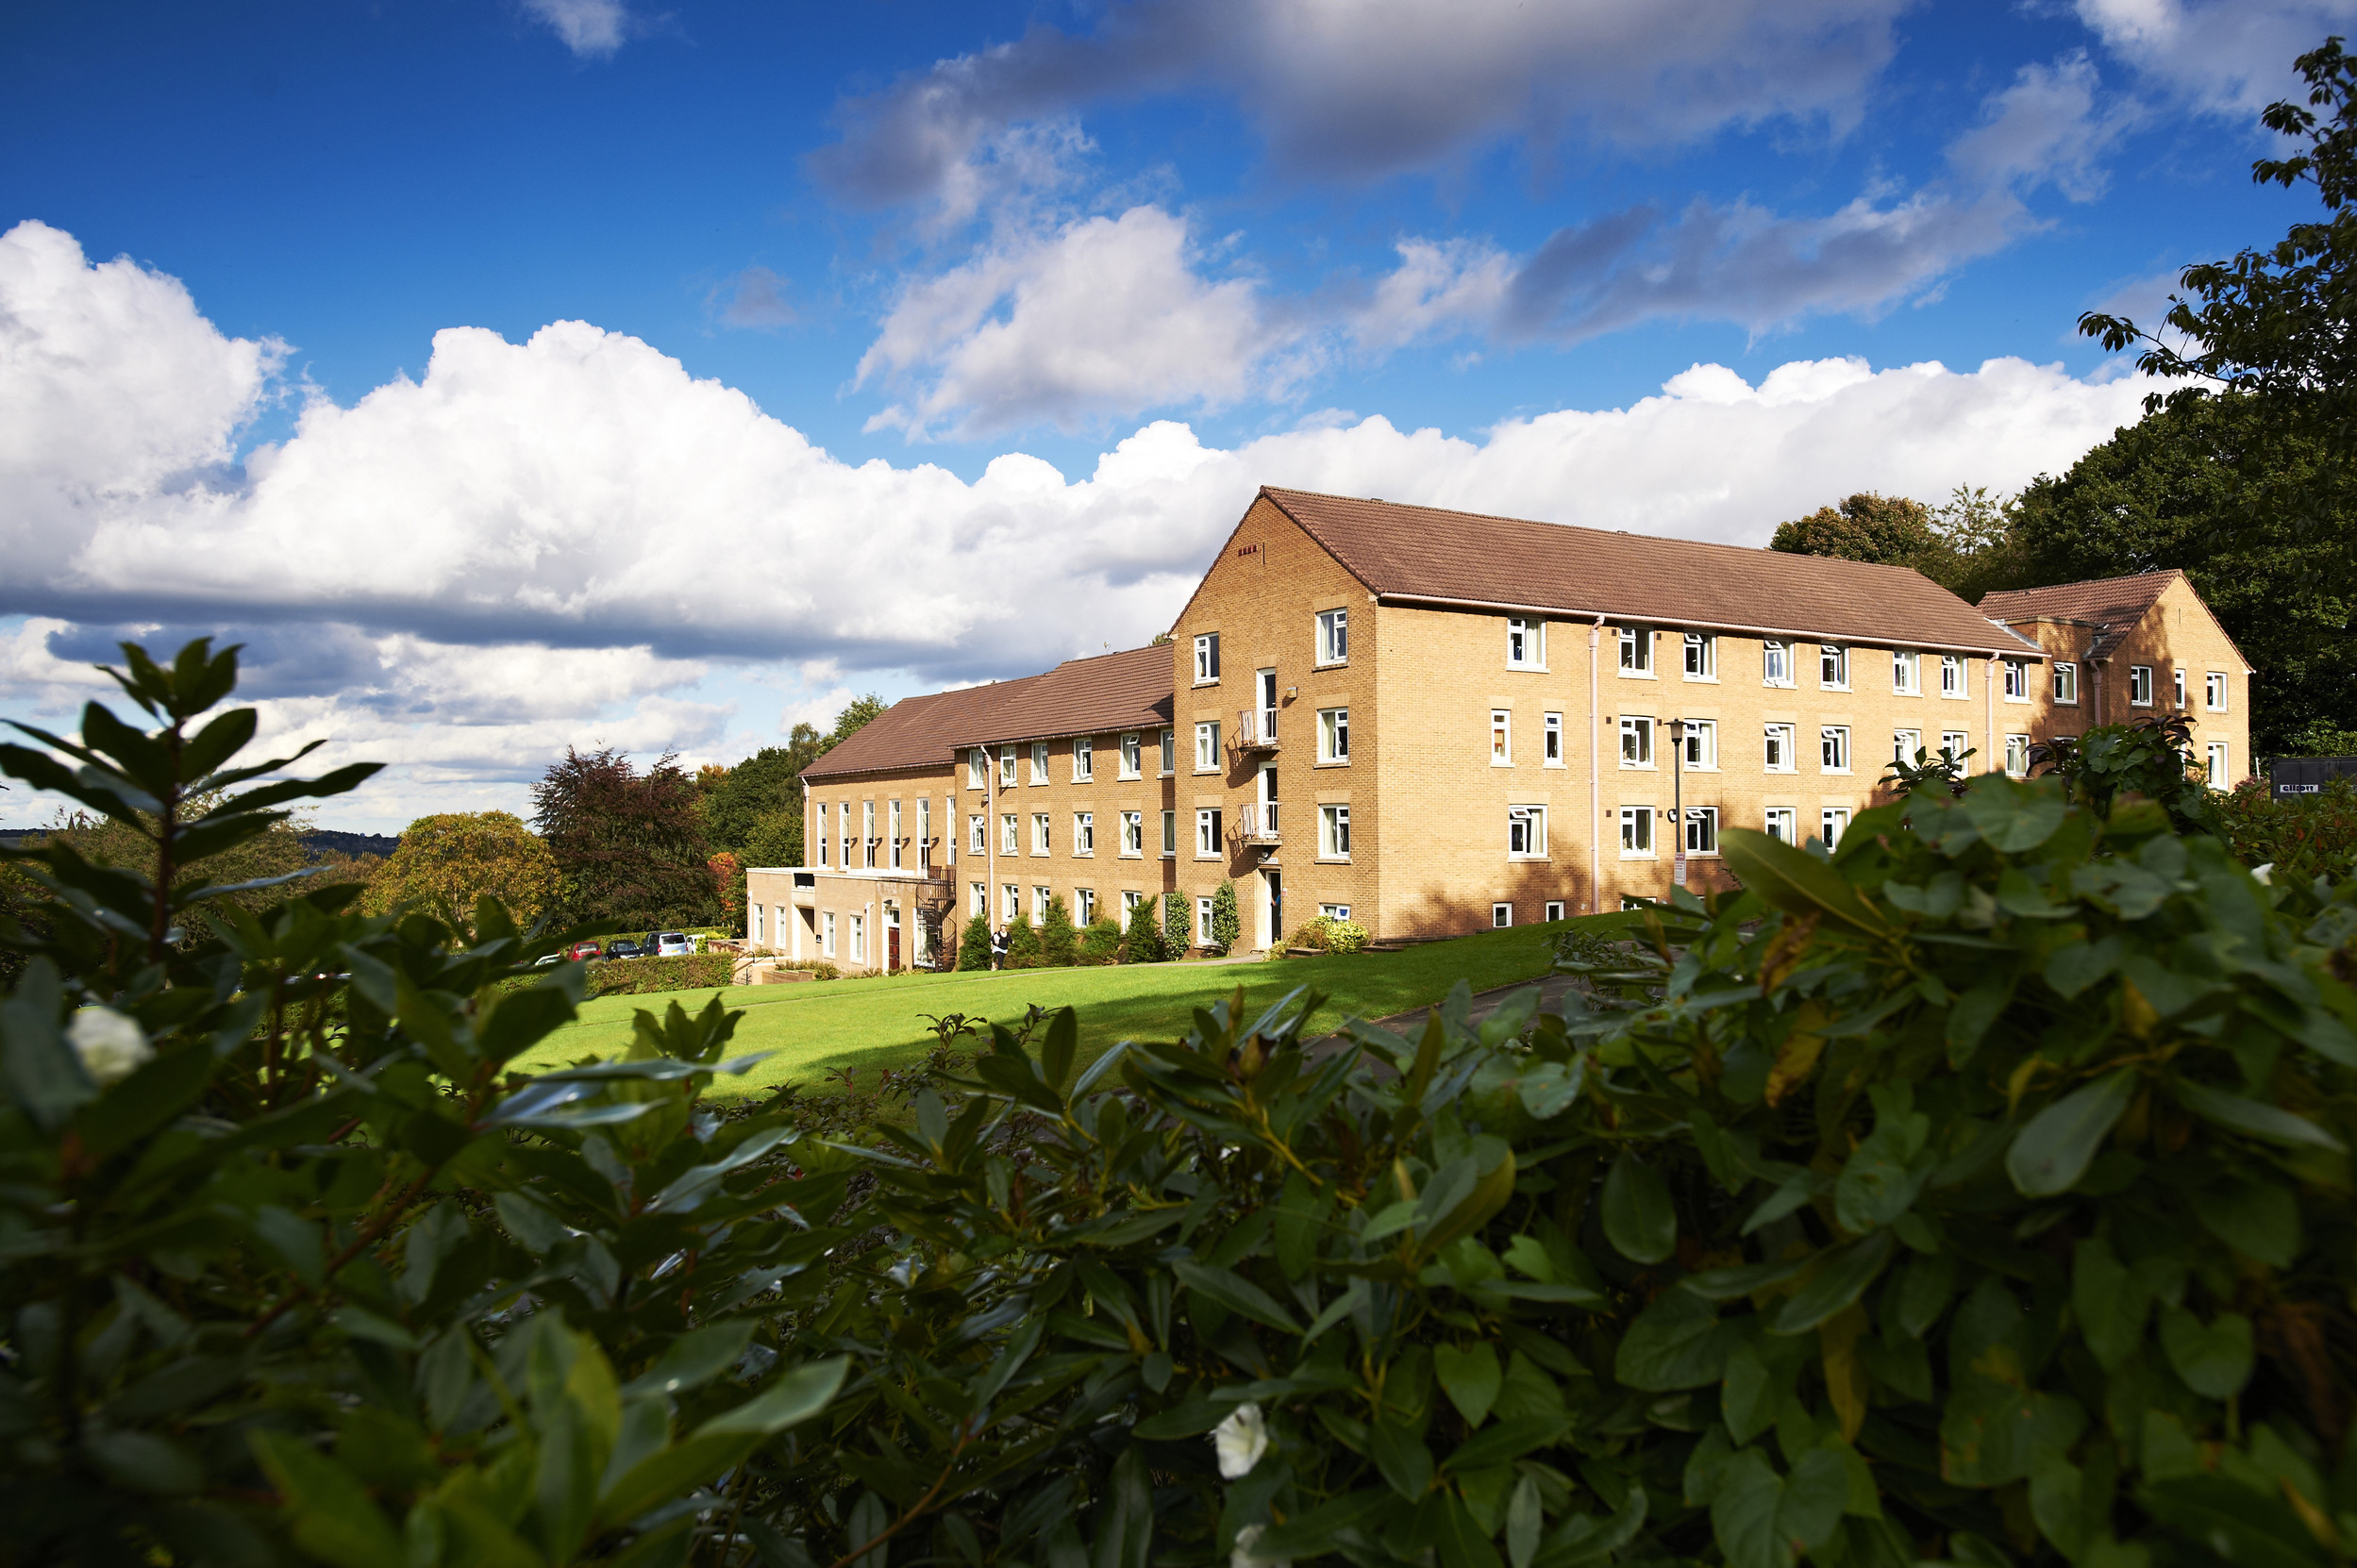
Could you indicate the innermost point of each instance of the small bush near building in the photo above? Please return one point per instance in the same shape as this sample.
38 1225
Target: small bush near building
974 948
1344 936
644 977
2300 837
1226 926
1023 943
1059 942
1142 943
1101 942
1178 935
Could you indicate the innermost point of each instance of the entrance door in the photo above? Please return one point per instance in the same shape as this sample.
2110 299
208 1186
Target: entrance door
891 941
1276 907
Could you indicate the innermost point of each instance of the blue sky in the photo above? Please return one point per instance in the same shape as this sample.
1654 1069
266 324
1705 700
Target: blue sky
930 343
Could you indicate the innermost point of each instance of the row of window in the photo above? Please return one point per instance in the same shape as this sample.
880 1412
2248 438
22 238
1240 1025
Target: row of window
1131 827
1133 759
853 847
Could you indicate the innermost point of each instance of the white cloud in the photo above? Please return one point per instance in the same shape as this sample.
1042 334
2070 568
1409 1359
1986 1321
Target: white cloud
570 540
591 28
2230 57
2045 128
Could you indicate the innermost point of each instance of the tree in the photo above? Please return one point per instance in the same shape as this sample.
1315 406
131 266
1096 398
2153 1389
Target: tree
1023 943
1175 930
2188 487
1144 943
129 842
729 884
1890 530
629 846
1101 942
974 948
755 809
1226 926
1059 941
446 862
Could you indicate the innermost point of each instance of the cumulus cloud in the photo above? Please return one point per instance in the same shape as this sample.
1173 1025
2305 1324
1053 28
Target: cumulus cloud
1369 88
513 553
592 29
2047 127
2230 57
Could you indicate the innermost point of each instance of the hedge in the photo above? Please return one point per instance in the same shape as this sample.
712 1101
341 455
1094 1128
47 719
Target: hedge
644 977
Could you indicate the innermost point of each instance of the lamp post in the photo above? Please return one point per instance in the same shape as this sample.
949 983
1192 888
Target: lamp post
1678 799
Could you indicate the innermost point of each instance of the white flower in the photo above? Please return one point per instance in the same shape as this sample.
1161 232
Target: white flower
111 1044
1243 1557
2264 875
1242 1439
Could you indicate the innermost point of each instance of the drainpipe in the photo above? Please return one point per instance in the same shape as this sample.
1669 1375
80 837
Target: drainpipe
1988 732
989 836
1595 781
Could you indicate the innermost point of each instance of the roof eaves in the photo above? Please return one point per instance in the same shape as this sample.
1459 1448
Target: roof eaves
1798 634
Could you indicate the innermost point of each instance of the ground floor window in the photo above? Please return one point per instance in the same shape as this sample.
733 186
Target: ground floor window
1501 916
1333 912
1636 831
1784 825
1084 905
756 931
1832 823
1954 743
1129 902
981 902
2221 777
859 939
1701 829
1039 905
826 934
1009 902
1554 909
2016 755
1202 923
1526 832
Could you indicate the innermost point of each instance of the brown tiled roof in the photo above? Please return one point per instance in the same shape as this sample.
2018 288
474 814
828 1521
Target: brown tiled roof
1407 552
2112 605
1130 690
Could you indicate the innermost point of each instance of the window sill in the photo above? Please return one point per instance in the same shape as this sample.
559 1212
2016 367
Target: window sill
2065 702
1127 777
1213 859
2024 702
1557 763
1701 767
1332 860
1529 859
1640 767
1779 685
1835 772
1331 762
1634 855
1333 664
1843 689
1496 763
1898 693
1638 675
1201 684
1526 669
1130 855
1701 680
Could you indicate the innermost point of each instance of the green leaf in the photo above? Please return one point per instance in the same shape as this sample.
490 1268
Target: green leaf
44 1076
2110 1302
1308 1534
1471 1377
1124 1519
669 1472
1234 1293
2214 1361
1525 1519
1639 1219
1057 1049
1400 1455
1793 880
334 1518
793 1398
2234 1112
2012 816
2240 1526
1462 1541
1847 1272
2053 1150
1678 1343
1506 1439
694 1358
1763 1520
2258 1219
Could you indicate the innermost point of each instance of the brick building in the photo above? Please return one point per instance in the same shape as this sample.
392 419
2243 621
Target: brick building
1430 722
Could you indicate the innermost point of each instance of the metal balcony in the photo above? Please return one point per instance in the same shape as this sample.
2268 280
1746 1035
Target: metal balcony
1256 729
1258 822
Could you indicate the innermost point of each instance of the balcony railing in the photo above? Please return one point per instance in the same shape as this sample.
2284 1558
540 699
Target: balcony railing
1256 729
1257 820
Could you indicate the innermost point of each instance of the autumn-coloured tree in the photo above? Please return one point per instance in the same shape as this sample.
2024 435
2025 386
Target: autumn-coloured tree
447 861
629 845
728 887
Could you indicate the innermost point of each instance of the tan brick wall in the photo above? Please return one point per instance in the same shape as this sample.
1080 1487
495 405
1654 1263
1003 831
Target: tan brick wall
1065 872
865 906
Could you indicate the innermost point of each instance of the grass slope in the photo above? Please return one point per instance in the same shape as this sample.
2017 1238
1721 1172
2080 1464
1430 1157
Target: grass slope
868 1025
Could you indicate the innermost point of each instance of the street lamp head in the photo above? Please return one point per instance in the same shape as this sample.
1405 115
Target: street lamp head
1677 730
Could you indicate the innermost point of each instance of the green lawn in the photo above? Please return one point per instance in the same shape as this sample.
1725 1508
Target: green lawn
817 1027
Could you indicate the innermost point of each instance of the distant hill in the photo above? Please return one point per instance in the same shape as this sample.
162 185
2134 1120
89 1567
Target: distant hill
327 841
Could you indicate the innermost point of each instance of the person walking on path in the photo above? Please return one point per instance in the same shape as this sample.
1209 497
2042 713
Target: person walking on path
998 949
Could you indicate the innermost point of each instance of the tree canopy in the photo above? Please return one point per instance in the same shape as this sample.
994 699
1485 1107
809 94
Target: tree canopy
1964 544
754 809
629 846
446 862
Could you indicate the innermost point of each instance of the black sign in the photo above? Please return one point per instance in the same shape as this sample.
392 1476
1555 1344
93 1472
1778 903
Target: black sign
2305 776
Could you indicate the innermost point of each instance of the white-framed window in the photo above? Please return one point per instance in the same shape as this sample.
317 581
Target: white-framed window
1039 761
977 835
1777 748
1952 675
1333 636
859 939
1954 743
2220 776
843 816
1006 767
1333 735
1776 663
1501 916
1130 899
1526 832
1207 659
1203 922
1333 832
2213 691
1043 833
1636 741
1501 738
1209 839
754 929
1010 835
894 840
1905 744
2018 681
1636 650
2140 685
1833 667
1554 909
2178 677
1701 656
1170 833
977 768
1133 833
978 900
1554 757
1525 643
1698 751
1207 747
1084 907
1083 760
1834 748
1170 751
1636 832
819 809
1084 832
2067 682
1333 912
2016 755
826 934
1906 673
1832 823
1039 905
1009 901
1701 825
867 827
1781 824
1132 762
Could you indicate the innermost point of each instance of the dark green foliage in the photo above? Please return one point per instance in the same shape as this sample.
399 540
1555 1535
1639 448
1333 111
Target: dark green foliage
2299 837
1176 925
1143 943
1023 943
1892 530
1226 926
629 845
650 977
974 948
2151 757
1059 942
1101 942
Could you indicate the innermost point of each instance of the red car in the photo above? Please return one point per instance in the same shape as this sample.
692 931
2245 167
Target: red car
582 952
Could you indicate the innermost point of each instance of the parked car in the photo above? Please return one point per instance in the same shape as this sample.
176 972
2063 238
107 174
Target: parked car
581 951
669 945
623 948
546 958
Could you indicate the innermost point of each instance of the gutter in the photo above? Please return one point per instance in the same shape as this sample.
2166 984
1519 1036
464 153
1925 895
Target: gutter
1561 612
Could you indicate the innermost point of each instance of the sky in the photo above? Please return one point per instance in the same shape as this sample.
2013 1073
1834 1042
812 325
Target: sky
516 375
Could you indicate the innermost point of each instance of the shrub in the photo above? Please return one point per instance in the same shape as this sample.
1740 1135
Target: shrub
1143 943
1346 936
2152 757
647 977
1023 943
2300 837
1226 927
1058 939
1101 943
974 948
1311 935
1177 927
